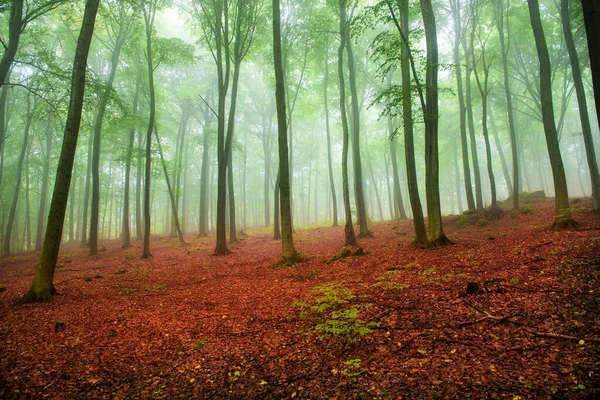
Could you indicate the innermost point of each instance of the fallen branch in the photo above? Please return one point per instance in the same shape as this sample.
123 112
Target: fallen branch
559 336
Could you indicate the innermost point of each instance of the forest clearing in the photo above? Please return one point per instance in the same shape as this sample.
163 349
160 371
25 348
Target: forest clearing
187 324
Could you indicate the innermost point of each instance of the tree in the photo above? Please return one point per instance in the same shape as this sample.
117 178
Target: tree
118 29
355 126
458 35
501 14
591 19
15 198
328 133
348 228
436 234
562 218
289 255
42 288
582 102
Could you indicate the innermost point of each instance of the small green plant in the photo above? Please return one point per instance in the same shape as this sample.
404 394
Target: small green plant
200 345
515 282
156 288
352 369
333 316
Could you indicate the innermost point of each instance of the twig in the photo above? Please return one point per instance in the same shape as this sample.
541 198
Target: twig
559 336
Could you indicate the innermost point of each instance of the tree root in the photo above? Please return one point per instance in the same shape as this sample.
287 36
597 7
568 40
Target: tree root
441 241
37 296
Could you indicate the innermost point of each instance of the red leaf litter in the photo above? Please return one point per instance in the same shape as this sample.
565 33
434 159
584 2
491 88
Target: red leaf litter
186 324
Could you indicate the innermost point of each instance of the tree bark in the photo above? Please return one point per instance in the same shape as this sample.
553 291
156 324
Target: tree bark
328 133
436 234
562 217
126 233
504 47
582 102
42 288
15 198
44 190
289 255
15 28
591 19
348 228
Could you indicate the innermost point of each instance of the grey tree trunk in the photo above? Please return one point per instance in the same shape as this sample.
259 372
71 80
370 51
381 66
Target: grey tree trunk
44 190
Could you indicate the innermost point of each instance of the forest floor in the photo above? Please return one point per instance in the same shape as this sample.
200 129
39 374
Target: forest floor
393 323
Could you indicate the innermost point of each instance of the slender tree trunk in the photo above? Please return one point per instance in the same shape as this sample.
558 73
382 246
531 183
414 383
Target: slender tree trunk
139 225
409 147
126 233
15 28
398 202
498 145
591 19
114 62
72 192
44 190
231 194
204 178
149 22
42 288
276 211
289 255
28 208
266 144
348 228
436 234
379 207
86 200
457 177
582 102
458 34
471 125
15 198
355 128
3 124
562 218
175 218
504 48
328 132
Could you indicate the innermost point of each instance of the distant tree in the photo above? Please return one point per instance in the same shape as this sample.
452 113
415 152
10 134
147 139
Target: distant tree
563 219
42 288
501 20
328 133
289 255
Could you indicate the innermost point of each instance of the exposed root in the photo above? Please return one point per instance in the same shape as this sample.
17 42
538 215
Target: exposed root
441 241
37 296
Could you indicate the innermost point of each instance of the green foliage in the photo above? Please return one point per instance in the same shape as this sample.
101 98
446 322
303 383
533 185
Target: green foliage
352 369
156 288
200 345
515 282
333 316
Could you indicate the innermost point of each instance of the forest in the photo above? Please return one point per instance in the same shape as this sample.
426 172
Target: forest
299 199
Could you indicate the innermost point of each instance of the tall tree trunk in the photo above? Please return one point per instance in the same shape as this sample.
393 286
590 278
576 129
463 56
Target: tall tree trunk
289 255
562 217
398 202
114 63
28 208
328 132
175 218
457 177
126 233
86 199
582 102
204 178
355 128
591 19
3 124
379 207
231 194
458 34
498 145
436 234
19 173
276 211
15 28
42 288
72 192
406 65
468 50
504 47
139 225
149 15
44 190
348 228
